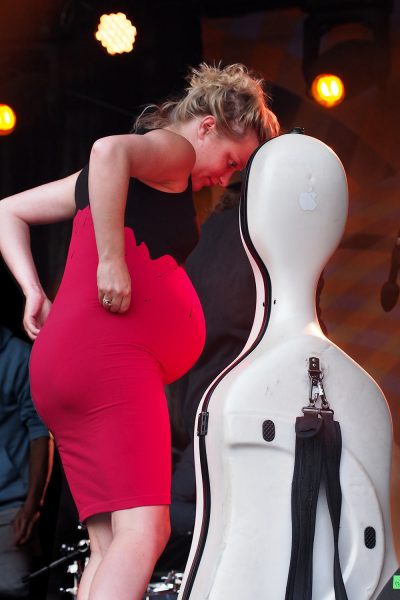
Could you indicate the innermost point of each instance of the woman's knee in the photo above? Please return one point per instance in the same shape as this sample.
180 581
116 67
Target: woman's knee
163 531
149 525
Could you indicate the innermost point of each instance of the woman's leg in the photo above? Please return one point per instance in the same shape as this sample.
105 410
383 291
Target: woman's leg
139 536
100 536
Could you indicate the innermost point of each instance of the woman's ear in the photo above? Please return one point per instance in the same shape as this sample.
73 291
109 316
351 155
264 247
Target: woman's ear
208 124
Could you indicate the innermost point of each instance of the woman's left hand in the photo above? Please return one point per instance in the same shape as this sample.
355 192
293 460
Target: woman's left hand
114 285
37 308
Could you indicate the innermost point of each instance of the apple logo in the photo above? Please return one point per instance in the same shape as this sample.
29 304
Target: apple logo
307 200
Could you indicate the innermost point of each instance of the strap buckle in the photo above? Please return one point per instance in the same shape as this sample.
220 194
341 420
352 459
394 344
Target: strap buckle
318 404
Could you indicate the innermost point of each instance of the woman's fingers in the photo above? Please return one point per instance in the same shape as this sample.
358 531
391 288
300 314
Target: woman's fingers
117 304
125 303
37 308
114 286
31 329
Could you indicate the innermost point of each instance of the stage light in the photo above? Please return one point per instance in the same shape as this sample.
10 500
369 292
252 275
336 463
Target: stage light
8 119
328 90
350 41
116 33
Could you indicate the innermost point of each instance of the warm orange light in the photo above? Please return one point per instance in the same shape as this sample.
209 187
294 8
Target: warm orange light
328 90
7 119
116 33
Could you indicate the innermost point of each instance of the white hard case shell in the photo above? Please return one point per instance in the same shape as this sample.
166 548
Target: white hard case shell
292 219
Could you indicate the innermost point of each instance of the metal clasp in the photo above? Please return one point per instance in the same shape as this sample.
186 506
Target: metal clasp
317 392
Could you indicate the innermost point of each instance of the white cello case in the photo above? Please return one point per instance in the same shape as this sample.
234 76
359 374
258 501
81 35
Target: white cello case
293 214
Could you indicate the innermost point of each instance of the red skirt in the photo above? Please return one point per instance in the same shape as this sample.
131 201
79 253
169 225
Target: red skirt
97 378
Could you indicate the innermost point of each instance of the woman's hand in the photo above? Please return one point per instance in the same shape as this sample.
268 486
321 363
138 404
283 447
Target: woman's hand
37 308
114 285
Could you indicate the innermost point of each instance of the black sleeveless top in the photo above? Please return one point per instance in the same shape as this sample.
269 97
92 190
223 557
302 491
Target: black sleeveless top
165 222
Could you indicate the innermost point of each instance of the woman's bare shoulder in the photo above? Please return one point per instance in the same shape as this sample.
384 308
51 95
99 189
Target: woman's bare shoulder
176 157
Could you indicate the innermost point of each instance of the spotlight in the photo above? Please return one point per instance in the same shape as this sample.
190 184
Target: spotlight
328 90
116 33
348 41
7 119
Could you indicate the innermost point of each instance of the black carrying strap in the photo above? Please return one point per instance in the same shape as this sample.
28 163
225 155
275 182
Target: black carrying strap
317 454
305 489
332 451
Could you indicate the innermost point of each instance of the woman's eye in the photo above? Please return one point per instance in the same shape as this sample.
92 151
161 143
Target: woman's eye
232 164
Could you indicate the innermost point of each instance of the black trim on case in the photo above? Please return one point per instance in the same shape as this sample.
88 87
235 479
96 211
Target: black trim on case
202 440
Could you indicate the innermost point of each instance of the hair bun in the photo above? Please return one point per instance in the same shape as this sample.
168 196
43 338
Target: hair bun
232 94
206 76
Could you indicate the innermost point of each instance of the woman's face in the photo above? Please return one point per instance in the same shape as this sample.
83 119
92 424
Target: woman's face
219 156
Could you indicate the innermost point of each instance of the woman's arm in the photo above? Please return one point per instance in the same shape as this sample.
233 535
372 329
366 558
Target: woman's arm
47 203
161 159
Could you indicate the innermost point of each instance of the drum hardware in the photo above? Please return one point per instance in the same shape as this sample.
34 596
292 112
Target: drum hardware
77 566
76 570
167 589
73 551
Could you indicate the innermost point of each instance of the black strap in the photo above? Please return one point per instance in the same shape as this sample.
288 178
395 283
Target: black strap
305 488
332 451
317 454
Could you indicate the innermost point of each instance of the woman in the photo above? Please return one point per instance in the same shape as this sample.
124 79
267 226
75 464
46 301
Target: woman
108 346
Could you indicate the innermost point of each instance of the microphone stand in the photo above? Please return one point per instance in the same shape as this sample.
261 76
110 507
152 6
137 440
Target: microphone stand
75 568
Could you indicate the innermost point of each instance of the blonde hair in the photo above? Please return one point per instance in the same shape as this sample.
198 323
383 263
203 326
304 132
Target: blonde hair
231 94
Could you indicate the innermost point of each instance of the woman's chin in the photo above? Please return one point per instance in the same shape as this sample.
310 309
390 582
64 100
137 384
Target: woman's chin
196 186
199 184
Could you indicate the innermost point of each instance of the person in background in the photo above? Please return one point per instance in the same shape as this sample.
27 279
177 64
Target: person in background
24 468
126 320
